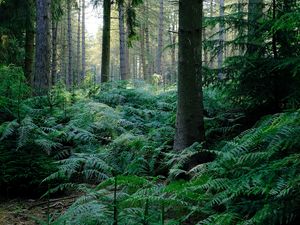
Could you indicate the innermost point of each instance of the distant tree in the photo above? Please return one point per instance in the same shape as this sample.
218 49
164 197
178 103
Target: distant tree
83 62
158 66
123 44
77 80
70 46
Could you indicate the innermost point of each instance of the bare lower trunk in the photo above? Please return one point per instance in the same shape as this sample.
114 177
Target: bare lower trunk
189 121
54 52
147 42
142 53
123 69
221 40
106 41
42 56
158 68
70 56
83 63
77 79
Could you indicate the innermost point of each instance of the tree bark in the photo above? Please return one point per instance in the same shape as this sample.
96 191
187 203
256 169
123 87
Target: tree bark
142 52
158 68
54 52
78 73
70 47
106 41
147 42
83 62
221 40
122 37
189 121
42 56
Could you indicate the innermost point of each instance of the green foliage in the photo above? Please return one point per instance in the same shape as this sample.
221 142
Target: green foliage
114 147
262 73
255 177
13 90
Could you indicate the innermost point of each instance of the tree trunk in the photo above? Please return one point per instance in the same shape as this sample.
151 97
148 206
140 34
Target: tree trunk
29 43
158 68
189 121
83 63
78 73
205 50
123 69
54 52
106 41
70 52
255 12
142 52
63 62
211 14
221 40
42 56
147 36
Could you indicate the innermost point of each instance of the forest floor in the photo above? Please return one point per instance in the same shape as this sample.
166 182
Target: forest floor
29 211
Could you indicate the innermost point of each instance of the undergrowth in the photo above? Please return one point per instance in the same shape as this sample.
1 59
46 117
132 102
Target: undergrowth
113 145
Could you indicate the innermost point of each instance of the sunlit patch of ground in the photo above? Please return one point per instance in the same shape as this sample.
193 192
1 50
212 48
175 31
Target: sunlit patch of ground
27 212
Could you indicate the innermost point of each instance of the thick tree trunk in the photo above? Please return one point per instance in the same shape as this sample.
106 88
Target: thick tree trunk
29 43
122 37
83 62
70 47
158 68
78 73
189 121
106 41
54 52
42 56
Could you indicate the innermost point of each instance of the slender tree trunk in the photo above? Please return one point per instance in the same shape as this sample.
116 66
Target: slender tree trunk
211 60
54 52
29 43
78 73
70 47
158 68
148 54
142 52
64 66
221 40
172 37
127 51
122 37
83 62
205 51
42 56
189 121
148 51
106 41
